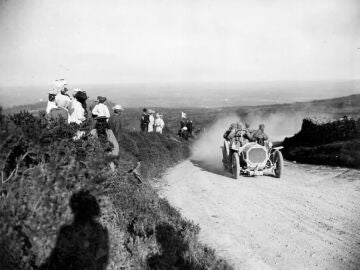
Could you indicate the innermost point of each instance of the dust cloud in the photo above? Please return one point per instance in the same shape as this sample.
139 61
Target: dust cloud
277 125
206 150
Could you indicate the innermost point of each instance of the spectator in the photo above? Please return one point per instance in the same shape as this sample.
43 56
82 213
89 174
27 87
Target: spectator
115 121
144 120
151 120
62 98
159 124
182 123
189 125
51 100
78 111
184 133
101 110
58 112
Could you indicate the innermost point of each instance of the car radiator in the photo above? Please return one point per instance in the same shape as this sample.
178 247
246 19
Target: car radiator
257 155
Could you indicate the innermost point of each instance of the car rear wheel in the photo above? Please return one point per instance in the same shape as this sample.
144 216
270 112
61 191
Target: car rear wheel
279 163
225 151
235 165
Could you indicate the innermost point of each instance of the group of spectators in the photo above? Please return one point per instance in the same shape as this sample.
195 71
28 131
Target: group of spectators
243 133
151 123
73 109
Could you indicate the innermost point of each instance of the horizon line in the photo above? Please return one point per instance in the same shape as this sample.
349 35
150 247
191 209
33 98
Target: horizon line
192 83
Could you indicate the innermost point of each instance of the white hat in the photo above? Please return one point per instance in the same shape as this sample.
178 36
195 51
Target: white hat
118 107
52 91
151 111
59 84
75 91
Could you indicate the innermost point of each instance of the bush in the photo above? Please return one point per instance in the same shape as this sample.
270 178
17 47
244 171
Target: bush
42 166
333 143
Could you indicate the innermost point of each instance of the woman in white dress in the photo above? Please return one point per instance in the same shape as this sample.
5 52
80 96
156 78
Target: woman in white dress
151 120
159 124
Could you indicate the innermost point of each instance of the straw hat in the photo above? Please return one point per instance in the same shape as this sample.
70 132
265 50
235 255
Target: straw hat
118 107
75 90
52 91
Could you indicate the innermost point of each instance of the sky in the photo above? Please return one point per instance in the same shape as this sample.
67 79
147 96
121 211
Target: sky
178 41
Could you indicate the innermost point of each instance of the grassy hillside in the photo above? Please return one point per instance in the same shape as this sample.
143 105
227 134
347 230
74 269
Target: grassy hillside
44 171
333 108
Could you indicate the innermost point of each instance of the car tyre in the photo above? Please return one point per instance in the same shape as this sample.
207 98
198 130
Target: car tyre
235 165
279 163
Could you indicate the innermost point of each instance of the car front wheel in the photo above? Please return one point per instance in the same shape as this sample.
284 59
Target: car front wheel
279 163
235 165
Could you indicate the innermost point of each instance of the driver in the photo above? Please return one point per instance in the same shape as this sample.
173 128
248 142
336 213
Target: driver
260 136
228 132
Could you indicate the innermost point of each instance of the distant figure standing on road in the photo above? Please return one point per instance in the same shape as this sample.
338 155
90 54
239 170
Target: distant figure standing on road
115 121
144 120
159 124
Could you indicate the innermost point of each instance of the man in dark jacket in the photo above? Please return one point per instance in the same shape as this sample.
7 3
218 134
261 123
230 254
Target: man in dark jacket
115 121
144 120
189 125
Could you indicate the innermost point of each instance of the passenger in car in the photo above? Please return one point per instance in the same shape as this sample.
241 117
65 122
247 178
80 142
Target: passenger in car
260 136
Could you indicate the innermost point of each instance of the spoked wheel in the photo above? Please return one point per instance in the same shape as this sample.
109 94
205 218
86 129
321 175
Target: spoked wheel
225 152
226 156
235 166
279 163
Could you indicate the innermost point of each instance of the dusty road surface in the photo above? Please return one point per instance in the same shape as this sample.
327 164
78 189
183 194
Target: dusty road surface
308 219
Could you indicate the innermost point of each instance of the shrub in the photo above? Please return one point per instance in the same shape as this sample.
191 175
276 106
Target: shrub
42 166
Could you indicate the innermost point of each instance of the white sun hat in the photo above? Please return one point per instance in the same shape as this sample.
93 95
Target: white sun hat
52 91
118 107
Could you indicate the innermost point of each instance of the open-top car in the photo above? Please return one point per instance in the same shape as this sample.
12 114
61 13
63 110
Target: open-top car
242 157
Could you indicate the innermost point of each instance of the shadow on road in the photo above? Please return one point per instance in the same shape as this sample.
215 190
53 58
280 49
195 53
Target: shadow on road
221 171
84 244
210 168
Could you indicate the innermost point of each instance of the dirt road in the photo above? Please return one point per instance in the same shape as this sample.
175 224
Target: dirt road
308 219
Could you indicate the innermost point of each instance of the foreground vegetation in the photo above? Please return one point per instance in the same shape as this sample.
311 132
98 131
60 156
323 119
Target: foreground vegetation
43 167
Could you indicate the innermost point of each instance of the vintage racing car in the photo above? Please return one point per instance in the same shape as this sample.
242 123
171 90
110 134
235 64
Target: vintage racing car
242 157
